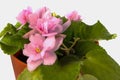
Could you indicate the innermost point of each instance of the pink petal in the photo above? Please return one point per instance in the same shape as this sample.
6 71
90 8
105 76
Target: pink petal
33 20
28 34
66 25
28 50
43 52
23 15
49 43
73 16
37 39
58 28
59 41
42 26
50 34
55 25
46 15
43 11
32 65
35 56
21 18
49 58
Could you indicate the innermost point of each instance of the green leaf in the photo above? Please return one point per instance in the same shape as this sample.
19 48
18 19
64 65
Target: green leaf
26 75
18 24
8 29
88 77
82 47
25 28
87 32
95 32
13 39
9 49
57 71
98 63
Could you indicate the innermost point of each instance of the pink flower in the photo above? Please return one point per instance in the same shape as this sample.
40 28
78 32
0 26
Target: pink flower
41 50
23 15
37 15
48 31
73 16
48 27
44 23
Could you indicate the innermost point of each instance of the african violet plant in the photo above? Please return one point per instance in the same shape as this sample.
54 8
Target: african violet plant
59 48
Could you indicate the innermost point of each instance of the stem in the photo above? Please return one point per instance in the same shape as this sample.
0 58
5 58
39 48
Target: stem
64 46
66 49
76 39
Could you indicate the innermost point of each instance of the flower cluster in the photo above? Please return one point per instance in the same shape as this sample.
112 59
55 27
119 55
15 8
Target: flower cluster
45 35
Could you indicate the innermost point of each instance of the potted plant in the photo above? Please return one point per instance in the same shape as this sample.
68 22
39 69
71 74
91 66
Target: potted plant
54 47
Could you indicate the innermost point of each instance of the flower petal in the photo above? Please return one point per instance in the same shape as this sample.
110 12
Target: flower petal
49 43
43 11
59 40
66 25
43 52
23 15
28 34
33 20
37 39
32 65
50 34
73 16
28 50
58 28
49 58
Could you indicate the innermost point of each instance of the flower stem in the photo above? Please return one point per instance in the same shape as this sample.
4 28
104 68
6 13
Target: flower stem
64 45
66 49
75 41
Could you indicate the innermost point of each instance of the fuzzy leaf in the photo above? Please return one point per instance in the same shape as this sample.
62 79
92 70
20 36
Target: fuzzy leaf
18 24
58 71
23 30
8 29
82 47
88 32
13 39
26 75
9 49
98 63
87 77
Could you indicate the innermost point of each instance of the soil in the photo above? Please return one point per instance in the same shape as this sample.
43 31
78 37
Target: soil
21 57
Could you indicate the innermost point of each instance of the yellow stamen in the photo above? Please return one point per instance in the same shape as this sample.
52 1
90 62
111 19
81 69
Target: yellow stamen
37 50
54 14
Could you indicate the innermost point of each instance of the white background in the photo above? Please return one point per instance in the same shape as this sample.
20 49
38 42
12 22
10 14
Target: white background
107 11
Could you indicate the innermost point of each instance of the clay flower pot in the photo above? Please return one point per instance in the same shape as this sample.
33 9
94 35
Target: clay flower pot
18 65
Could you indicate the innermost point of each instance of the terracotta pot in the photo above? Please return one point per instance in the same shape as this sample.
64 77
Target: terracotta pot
18 65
